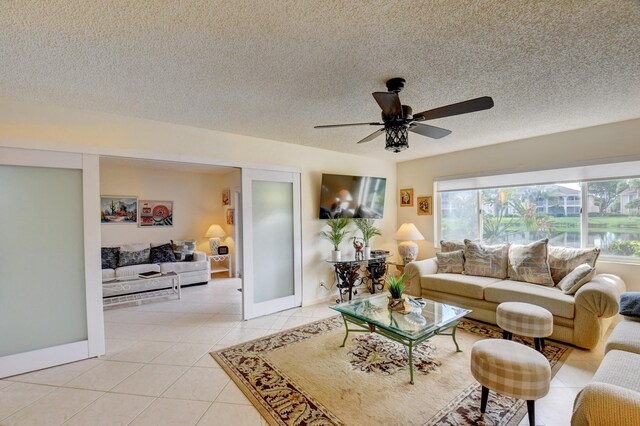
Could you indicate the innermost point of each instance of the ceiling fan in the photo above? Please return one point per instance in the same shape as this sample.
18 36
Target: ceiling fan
399 119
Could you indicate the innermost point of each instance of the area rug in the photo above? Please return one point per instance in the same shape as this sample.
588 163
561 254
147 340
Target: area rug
303 377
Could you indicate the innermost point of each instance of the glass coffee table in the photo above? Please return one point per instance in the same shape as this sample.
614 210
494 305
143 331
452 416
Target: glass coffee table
425 320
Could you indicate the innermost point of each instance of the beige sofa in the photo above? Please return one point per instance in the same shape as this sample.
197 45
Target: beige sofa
613 396
579 319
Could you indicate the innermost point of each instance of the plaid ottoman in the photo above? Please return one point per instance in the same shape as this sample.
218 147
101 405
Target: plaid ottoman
525 319
511 369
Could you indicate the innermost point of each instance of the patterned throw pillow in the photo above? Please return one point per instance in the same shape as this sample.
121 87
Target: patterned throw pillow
528 263
563 260
183 249
575 279
486 261
162 254
110 257
128 258
449 246
451 262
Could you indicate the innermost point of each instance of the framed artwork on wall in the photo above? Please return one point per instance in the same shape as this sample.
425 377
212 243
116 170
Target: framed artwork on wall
406 197
230 217
118 209
226 197
424 206
155 213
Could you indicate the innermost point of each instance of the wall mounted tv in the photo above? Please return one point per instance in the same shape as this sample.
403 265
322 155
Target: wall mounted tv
352 196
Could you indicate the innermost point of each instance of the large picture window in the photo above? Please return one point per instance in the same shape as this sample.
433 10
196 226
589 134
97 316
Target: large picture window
597 213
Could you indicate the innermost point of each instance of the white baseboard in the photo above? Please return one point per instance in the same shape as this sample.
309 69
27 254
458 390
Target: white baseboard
319 300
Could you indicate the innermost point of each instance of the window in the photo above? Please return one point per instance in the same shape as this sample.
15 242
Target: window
459 215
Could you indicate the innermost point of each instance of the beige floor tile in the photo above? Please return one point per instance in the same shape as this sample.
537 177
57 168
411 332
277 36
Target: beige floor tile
4 384
128 331
113 346
54 408
556 408
60 375
192 319
166 333
233 395
202 384
576 373
264 323
18 395
174 412
207 361
238 335
143 351
150 380
105 376
111 410
224 321
185 354
232 414
205 335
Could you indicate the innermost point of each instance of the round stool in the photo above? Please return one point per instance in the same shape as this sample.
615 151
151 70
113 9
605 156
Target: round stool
510 369
525 319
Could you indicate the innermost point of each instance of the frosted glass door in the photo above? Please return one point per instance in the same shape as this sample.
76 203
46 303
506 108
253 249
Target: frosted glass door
272 230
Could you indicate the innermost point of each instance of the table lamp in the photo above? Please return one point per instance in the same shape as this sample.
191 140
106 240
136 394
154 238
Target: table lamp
214 233
408 233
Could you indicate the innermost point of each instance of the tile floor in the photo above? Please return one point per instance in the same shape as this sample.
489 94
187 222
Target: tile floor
157 369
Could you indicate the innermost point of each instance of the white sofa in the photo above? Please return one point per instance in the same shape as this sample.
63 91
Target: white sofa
579 319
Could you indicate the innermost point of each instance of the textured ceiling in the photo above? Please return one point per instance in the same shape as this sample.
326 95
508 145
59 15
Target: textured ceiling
274 69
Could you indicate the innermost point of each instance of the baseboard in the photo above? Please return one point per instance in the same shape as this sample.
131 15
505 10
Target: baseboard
319 300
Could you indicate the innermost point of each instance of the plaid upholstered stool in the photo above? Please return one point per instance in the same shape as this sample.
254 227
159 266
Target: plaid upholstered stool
510 369
525 319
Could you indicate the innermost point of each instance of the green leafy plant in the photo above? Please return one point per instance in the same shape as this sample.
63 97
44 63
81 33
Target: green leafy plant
368 229
337 232
395 285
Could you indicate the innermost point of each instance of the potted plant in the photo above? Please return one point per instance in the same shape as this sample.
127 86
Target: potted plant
368 230
396 288
335 235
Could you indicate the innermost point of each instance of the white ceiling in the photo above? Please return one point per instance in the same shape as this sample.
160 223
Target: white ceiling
274 69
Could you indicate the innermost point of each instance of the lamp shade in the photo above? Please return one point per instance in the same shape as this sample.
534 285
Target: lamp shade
215 231
408 232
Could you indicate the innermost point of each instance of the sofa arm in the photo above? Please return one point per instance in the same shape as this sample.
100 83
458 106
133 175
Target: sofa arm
414 270
606 404
199 255
601 295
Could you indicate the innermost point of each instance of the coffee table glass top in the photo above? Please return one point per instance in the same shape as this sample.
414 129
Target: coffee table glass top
424 318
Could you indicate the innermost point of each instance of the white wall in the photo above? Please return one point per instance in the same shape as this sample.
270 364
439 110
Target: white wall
24 124
594 145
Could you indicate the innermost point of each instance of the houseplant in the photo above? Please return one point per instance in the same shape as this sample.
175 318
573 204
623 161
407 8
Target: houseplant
368 230
395 285
336 234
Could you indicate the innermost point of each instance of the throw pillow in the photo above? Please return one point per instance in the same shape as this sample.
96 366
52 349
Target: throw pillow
563 260
451 262
575 279
162 254
183 249
528 263
486 261
128 258
630 305
449 246
110 257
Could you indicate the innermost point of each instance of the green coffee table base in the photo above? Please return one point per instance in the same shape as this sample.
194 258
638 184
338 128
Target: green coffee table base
409 344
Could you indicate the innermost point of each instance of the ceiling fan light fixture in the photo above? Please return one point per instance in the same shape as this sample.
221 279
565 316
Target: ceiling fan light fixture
397 138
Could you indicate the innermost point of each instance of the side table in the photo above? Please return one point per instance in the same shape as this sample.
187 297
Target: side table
217 260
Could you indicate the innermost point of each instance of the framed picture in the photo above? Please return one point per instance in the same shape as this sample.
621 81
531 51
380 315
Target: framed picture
424 206
406 197
230 217
226 197
118 209
155 213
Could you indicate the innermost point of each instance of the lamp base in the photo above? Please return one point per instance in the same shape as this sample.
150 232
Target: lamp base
408 250
213 245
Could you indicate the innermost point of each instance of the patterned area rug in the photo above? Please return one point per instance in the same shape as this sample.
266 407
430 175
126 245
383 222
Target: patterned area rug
303 377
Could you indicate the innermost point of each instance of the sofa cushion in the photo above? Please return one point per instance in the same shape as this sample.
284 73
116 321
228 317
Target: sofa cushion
183 249
577 278
108 274
448 246
620 368
563 260
462 285
528 263
179 267
625 337
484 260
109 256
132 271
451 262
550 298
162 253
128 258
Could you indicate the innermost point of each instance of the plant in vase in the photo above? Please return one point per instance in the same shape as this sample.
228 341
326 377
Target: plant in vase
336 234
395 285
368 230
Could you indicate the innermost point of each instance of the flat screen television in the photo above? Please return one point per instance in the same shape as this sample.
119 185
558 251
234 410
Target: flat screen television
352 196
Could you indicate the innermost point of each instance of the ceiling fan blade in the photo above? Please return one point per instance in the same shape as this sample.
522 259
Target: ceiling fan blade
345 125
429 131
372 136
389 102
472 105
